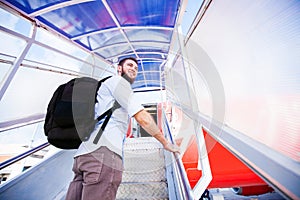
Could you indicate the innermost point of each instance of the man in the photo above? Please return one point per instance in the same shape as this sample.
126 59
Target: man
98 167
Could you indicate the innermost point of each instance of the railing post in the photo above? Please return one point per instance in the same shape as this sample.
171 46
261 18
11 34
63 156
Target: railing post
206 178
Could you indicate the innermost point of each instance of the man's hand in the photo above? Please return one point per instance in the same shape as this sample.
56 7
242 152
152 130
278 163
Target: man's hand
172 147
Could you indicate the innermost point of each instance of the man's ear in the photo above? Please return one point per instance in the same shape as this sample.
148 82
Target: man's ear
120 70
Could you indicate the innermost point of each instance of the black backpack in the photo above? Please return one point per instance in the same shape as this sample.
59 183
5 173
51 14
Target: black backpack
70 113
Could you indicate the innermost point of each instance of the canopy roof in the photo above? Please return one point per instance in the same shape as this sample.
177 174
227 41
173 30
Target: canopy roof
113 29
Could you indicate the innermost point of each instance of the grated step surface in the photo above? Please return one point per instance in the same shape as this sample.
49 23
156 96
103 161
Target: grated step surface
144 171
143 191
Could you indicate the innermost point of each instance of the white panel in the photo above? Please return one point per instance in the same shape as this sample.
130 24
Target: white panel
255 46
27 95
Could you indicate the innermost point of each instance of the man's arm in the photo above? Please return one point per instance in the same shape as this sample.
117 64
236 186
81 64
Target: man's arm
148 123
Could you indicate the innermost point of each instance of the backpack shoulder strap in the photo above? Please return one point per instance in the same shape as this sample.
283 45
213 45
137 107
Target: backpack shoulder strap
108 114
98 86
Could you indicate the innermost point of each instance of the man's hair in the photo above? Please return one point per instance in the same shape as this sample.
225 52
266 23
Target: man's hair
128 58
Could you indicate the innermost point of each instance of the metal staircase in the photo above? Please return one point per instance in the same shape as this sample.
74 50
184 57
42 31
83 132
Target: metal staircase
144 174
150 173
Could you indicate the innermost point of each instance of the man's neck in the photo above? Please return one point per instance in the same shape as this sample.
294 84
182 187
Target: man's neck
127 78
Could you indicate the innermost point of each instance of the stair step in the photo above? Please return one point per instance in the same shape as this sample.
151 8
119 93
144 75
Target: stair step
143 191
144 171
144 176
141 143
143 160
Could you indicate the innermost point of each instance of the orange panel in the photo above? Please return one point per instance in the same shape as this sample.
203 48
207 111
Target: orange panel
227 170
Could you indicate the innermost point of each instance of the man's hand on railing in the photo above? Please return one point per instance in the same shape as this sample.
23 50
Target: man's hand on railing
172 147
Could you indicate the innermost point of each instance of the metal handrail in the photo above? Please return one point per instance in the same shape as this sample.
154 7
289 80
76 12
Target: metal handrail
203 160
23 155
179 165
25 121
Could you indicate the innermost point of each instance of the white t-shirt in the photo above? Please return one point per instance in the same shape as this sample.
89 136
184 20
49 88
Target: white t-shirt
114 89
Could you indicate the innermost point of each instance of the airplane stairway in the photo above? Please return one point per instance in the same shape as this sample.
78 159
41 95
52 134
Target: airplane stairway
144 174
149 173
